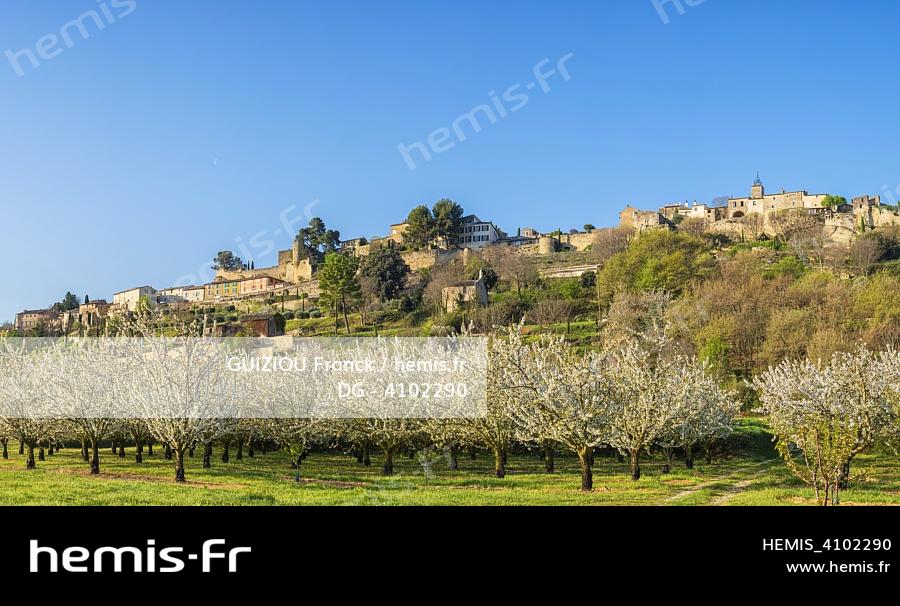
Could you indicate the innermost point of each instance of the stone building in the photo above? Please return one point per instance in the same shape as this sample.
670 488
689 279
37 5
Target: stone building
181 294
475 233
354 246
245 286
870 212
642 220
294 266
706 212
466 292
760 202
261 325
397 231
129 299
34 319
91 314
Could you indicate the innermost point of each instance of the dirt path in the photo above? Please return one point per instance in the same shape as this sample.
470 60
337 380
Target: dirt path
738 488
740 484
135 477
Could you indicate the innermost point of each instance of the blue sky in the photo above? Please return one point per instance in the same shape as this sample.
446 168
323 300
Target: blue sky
185 128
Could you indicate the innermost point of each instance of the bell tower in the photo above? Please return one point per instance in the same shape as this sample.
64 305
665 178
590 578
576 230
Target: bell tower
758 191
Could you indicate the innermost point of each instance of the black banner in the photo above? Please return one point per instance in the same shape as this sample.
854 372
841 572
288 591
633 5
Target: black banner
85 546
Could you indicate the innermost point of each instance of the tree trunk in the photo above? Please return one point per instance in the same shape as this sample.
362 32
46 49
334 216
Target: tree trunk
179 465
635 465
689 457
41 454
500 463
21 447
388 469
138 450
240 450
29 464
346 318
150 448
50 449
85 455
250 452
844 482
226 454
167 453
298 464
587 472
207 456
5 449
454 457
122 449
473 453
112 447
95 457
367 458
549 463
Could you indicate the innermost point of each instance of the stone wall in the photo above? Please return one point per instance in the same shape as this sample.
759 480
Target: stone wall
841 228
580 241
286 270
422 259
883 217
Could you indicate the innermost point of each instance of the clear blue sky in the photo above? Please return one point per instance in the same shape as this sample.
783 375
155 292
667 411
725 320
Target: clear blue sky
136 154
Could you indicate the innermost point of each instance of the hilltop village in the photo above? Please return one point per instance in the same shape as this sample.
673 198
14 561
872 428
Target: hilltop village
245 299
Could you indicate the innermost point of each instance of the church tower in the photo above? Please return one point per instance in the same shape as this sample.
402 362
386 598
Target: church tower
758 191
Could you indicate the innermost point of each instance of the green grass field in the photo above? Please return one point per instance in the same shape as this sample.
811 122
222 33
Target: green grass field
752 475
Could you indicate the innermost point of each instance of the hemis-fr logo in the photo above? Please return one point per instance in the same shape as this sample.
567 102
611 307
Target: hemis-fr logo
213 556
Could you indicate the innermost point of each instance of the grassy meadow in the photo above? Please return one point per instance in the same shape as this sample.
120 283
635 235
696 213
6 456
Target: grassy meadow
750 475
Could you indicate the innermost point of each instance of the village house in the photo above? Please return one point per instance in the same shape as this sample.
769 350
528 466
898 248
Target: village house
221 289
706 212
240 287
129 299
181 294
397 231
34 319
352 246
260 284
475 233
671 211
